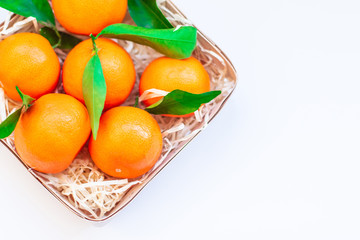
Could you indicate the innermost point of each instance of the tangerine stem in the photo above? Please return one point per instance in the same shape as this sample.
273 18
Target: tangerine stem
95 49
59 36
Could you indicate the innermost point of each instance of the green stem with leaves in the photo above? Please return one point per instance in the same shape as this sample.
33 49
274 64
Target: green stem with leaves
9 124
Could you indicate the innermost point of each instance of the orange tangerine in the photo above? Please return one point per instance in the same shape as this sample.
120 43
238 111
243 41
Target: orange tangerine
118 69
170 74
88 16
28 61
128 143
51 132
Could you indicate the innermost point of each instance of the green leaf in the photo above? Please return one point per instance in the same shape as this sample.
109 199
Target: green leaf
176 43
179 102
25 98
94 90
39 9
146 13
67 41
8 126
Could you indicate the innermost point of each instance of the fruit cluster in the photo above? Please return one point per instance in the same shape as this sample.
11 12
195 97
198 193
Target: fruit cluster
126 141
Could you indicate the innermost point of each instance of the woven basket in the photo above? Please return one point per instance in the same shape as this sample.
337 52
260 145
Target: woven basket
83 188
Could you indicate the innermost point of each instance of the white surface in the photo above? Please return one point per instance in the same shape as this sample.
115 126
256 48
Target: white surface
282 159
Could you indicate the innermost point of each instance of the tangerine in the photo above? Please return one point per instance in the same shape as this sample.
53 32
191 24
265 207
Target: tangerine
49 135
169 74
118 69
29 62
128 143
88 16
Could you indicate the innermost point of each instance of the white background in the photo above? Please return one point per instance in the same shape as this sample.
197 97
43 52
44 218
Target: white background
282 159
